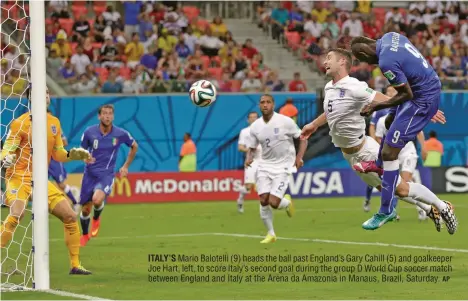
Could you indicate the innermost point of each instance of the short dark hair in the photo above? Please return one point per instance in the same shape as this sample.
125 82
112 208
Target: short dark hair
252 112
432 134
344 54
268 95
188 135
106 106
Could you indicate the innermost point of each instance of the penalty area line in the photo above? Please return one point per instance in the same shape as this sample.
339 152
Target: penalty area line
328 241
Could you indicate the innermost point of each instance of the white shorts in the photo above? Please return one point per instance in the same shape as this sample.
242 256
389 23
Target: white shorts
273 183
408 163
369 152
250 173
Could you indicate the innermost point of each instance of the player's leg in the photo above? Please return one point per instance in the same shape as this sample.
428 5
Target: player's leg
407 167
101 192
367 200
17 195
60 208
278 198
86 195
266 214
249 181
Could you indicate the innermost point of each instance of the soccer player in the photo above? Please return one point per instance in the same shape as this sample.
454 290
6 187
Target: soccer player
250 172
344 98
416 102
275 133
59 174
103 141
16 157
408 157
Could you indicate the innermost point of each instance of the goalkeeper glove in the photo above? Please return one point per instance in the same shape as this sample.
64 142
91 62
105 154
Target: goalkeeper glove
78 154
9 160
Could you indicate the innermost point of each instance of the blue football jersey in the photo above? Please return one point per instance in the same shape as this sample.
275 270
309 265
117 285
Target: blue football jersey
104 148
402 63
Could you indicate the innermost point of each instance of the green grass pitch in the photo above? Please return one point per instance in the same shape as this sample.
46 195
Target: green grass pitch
118 257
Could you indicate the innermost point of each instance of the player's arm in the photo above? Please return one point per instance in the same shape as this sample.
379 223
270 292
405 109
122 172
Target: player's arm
422 140
310 128
252 147
131 154
242 144
380 130
296 133
60 154
404 93
11 144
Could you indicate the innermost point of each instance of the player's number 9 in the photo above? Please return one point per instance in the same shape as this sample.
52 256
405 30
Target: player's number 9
396 136
416 53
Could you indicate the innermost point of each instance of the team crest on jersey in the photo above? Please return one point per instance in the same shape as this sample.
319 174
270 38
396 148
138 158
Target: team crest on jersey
114 141
342 93
389 75
54 129
276 131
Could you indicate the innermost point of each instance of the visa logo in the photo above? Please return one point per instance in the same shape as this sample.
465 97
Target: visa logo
320 182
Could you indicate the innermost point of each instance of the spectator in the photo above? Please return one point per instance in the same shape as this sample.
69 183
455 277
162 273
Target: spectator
362 73
60 9
68 72
354 25
228 64
320 12
195 68
142 76
84 85
313 26
273 83
98 28
446 36
131 86
111 85
241 66
166 42
158 85
218 28
61 46
150 40
163 71
228 37
188 155
248 50
173 64
111 17
90 51
225 84
434 149
279 18
371 29
183 51
210 44
50 35
134 51
297 85
182 20
331 25
79 61
228 52
92 74
251 84
109 54
145 24
190 39
149 60
344 5
21 64
54 63
296 20
158 13
179 85
171 24
81 29
395 15
289 109
345 39
364 6
132 10
456 67
14 84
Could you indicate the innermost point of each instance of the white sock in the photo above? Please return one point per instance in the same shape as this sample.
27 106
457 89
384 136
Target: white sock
284 203
242 192
266 215
425 207
67 188
422 193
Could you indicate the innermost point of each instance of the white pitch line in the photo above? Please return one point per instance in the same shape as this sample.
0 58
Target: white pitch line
379 244
140 236
73 295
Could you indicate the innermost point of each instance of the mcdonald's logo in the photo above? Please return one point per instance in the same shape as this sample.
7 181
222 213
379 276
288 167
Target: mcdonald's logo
121 186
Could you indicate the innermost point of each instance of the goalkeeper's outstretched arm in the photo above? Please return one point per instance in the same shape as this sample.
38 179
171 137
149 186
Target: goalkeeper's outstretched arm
60 154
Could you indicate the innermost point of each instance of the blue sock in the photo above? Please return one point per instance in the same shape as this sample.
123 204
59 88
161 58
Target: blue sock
394 202
84 224
98 211
369 192
379 161
390 179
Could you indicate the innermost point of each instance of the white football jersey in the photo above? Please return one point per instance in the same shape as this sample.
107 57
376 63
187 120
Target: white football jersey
408 150
342 105
244 139
276 139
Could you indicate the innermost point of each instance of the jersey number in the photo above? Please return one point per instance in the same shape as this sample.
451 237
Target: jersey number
267 141
330 106
396 136
416 53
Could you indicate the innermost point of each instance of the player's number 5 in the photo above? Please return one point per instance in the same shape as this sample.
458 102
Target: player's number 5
416 53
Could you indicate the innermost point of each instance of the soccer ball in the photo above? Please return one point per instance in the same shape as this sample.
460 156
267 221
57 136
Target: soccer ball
202 93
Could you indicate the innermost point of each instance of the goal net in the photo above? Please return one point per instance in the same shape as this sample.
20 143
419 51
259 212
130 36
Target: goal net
17 254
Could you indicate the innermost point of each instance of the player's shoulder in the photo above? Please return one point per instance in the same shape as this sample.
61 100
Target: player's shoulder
53 119
91 129
256 124
21 121
119 131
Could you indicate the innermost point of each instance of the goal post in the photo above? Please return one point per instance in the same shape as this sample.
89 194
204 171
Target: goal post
39 145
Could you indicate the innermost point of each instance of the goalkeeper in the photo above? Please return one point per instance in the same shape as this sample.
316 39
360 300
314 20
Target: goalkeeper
17 159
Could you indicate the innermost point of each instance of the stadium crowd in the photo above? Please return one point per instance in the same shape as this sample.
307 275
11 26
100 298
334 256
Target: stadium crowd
157 47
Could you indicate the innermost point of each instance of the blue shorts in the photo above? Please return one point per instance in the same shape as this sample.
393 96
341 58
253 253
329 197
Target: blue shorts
57 171
410 119
90 184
